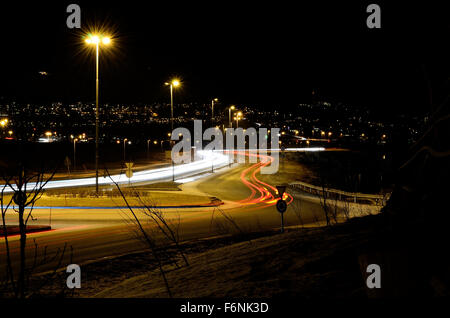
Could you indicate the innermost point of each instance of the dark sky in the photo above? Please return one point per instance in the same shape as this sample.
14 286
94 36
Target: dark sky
270 53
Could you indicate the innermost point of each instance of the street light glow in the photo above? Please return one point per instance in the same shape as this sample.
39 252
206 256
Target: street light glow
97 39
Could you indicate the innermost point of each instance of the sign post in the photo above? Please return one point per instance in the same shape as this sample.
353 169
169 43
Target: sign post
281 205
67 163
173 171
129 171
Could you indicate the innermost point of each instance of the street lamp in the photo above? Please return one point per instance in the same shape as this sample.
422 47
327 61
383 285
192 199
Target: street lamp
238 117
172 84
97 40
48 134
4 122
74 152
212 108
148 147
124 154
232 107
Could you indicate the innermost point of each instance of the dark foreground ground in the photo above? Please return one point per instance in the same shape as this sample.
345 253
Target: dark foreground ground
301 263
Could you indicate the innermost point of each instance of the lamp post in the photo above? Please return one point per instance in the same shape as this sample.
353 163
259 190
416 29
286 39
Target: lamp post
124 153
212 108
232 107
97 40
172 84
148 148
74 153
238 117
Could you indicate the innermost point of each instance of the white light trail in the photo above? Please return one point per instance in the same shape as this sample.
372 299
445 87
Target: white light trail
209 159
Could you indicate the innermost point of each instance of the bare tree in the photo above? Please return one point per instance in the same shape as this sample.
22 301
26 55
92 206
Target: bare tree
26 188
166 227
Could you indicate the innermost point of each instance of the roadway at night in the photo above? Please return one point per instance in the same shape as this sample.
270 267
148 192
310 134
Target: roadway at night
96 233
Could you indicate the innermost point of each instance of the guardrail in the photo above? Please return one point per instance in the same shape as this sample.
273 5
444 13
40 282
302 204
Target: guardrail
341 195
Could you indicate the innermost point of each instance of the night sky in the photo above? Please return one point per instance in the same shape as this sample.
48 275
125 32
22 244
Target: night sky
267 53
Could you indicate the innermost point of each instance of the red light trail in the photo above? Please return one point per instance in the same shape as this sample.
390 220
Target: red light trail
261 192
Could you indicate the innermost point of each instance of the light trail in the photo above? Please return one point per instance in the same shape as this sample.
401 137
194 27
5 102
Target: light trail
255 185
209 159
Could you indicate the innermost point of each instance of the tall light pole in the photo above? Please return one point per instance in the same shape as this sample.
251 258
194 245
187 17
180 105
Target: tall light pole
212 108
74 153
148 148
97 40
124 153
232 107
172 84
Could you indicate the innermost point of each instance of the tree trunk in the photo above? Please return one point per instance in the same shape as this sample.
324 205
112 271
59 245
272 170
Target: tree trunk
23 238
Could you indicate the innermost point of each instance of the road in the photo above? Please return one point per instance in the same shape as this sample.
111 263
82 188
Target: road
97 233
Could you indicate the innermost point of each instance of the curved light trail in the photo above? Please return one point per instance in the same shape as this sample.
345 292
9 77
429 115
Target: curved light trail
209 159
261 192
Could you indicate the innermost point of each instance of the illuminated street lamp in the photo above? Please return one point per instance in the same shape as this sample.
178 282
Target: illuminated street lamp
238 117
148 147
97 40
4 122
172 84
232 107
48 134
212 108
124 153
74 152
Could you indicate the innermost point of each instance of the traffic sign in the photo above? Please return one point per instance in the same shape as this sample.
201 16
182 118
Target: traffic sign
20 198
129 171
281 190
281 206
